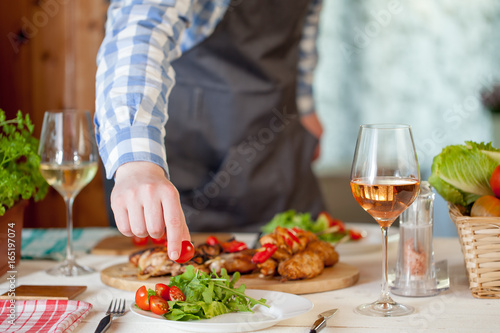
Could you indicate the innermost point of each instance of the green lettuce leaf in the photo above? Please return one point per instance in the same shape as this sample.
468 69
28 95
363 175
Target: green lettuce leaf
304 221
177 314
461 173
214 309
487 149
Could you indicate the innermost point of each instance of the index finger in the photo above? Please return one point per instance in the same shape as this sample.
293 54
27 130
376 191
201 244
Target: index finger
175 222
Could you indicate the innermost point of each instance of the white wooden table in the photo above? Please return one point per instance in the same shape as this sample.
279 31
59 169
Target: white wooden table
454 310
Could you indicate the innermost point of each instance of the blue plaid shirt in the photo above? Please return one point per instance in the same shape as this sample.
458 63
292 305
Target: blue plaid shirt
134 75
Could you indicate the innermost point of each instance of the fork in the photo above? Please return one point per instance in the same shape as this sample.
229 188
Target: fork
116 309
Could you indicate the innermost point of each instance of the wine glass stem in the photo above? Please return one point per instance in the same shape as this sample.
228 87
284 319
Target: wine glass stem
384 296
69 228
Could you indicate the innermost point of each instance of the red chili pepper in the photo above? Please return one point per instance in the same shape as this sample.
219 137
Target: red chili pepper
233 246
293 237
297 230
212 240
287 240
264 253
355 235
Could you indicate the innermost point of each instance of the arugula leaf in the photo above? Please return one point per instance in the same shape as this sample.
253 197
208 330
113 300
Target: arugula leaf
214 308
209 295
178 314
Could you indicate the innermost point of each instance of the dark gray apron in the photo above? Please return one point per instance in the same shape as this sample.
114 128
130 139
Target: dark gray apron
236 150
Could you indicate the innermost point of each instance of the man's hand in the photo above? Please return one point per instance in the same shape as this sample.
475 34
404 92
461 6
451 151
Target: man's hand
144 202
313 125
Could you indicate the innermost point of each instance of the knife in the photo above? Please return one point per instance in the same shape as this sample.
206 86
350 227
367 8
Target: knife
321 321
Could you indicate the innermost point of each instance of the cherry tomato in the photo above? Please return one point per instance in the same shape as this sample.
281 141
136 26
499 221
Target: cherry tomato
159 241
175 294
142 299
331 221
495 181
187 252
212 240
158 305
139 241
355 235
161 290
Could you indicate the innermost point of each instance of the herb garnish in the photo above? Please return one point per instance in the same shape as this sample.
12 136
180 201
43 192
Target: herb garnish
20 176
208 296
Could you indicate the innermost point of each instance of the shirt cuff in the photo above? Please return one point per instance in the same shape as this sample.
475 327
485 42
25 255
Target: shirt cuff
137 143
305 102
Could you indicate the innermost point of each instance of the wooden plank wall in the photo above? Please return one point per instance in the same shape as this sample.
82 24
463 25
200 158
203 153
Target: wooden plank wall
48 62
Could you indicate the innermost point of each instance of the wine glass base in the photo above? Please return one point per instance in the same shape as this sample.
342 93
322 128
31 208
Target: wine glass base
384 309
70 268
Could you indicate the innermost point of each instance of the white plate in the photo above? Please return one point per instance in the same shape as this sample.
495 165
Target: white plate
371 242
282 306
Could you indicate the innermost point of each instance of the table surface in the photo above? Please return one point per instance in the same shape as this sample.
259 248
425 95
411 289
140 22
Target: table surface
454 310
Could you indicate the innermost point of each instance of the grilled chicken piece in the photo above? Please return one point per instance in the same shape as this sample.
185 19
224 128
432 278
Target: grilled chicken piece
268 267
326 252
208 251
303 265
133 258
310 262
233 262
288 242
155 262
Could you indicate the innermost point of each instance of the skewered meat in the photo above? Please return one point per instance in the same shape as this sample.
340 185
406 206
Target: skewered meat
233 262
288 241
326 252
303 265
310 262
268 267
155 262
298 254
292 253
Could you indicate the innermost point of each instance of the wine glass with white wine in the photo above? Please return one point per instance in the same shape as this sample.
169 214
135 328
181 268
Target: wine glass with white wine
69 158
385 180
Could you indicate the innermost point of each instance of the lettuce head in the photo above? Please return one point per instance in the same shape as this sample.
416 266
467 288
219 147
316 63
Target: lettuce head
461 173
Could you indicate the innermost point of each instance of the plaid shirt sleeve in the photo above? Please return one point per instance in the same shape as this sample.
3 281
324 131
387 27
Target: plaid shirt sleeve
134 76
308 58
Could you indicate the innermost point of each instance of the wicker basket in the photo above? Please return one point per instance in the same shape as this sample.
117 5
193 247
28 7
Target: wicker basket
480 242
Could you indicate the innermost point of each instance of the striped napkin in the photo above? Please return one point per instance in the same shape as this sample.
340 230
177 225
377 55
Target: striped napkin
47 316
51 243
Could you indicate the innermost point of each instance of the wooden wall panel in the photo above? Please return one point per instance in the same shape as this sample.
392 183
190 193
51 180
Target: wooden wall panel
54 68
14 59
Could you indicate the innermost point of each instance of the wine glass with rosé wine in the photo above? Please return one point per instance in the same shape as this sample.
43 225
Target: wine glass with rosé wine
68 153
385 180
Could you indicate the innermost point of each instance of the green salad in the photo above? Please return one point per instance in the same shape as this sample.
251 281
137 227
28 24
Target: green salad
208 295
325 226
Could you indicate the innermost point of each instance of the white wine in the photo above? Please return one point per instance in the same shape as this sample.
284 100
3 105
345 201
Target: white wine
68 179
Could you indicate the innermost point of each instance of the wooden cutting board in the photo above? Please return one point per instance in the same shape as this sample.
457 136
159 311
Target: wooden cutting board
124 276
122 245
34 292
